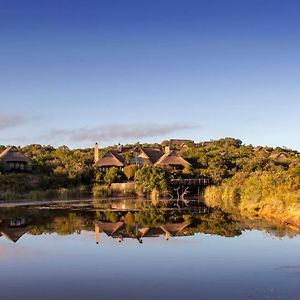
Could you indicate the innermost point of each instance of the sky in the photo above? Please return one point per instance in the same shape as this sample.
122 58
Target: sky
76 72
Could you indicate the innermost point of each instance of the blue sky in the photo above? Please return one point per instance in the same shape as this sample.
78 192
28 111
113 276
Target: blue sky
73 72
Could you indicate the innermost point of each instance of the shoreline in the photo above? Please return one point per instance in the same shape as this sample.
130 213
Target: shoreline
26 202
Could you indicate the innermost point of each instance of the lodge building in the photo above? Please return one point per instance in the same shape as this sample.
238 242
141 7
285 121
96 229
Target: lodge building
142 157
13 160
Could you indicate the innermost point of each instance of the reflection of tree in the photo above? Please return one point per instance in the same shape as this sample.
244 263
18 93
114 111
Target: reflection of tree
67 221
151 216
181 196
215 222
62 222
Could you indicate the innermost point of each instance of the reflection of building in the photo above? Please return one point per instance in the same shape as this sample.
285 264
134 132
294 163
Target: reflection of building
13 229
118 231
13 234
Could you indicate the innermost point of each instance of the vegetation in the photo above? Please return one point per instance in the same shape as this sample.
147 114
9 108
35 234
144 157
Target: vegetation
65 221
104 190
152 178
130 171
151 216
251 180
222 159
273 194
113 175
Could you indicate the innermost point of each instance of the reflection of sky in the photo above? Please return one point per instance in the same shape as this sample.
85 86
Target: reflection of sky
198 267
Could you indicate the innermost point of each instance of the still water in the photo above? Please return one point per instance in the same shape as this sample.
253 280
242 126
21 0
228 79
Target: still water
129 250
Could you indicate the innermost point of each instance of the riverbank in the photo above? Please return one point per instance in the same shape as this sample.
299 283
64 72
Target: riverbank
17 187
126 189
271 195
76 202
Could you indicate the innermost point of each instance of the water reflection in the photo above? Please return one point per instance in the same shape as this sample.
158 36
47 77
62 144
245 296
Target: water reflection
13 229
80 250
128 219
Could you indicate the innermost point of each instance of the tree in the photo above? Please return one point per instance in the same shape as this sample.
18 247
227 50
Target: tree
130 171
1 166
128 156
113 175
188 170
99 176
152 177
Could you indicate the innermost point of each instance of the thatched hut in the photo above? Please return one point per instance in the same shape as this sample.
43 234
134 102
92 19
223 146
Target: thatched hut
111 159
142 157
148 156
172 160
13 160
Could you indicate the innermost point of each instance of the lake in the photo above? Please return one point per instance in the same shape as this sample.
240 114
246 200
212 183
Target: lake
128 249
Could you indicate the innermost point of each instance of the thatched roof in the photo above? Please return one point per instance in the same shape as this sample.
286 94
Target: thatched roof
153 155
111 158
14 155
172 159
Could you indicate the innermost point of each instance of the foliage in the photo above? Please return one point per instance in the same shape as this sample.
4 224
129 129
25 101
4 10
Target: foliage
214 222
61 169
105 190
222 159
152 177
113 175
130 171
99 176
150 216
268 193
129 219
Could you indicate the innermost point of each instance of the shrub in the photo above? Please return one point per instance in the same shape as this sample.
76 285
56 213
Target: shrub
113 175
130 171
152 177
275 193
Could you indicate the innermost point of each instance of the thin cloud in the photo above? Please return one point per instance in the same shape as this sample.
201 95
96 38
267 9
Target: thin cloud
119 131
11 120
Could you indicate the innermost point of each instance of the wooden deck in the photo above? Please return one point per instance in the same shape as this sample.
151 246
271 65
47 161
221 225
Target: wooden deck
191 182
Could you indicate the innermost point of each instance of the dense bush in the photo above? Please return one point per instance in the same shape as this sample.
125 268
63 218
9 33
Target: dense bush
130 171
152 177
273 193
113 175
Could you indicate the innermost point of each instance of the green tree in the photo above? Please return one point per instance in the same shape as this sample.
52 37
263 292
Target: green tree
152 177
130 171
113 175
99 176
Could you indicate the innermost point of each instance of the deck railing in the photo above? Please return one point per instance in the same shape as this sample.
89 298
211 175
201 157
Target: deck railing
191 182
